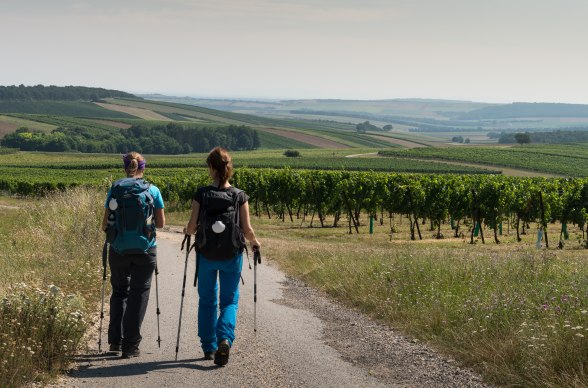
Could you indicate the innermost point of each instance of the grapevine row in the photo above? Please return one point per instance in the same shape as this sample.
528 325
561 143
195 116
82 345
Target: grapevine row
338 195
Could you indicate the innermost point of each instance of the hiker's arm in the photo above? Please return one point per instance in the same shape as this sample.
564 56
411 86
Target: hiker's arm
246 225
159 218
105 219
193 223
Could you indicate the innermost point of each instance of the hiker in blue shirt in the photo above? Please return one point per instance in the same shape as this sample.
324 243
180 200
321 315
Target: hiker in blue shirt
133 209
220 232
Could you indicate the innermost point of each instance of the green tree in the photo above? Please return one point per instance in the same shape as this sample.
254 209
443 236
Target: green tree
523 138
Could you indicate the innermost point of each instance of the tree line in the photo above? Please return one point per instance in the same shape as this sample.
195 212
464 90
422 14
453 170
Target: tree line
60 93
551 137
169 139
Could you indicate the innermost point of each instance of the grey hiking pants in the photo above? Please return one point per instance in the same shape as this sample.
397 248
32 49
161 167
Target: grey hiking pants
131 282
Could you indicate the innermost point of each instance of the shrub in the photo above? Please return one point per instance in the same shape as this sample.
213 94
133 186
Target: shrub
55 240
292 154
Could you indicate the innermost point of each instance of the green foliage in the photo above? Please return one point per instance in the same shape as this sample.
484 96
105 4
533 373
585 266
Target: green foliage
523 138
169 139
366 126
551 137
60 108
570 160
8 151
336 193
292 153
61 93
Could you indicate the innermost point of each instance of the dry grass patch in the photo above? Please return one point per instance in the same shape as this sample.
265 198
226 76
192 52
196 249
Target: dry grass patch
50 259
516 314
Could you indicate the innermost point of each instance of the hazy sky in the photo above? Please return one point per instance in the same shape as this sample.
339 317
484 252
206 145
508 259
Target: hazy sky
481 50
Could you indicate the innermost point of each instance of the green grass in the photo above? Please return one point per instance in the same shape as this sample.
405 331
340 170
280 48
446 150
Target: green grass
19 163
272 141
61 121
49 284
31 124
517 315
570 160
60 108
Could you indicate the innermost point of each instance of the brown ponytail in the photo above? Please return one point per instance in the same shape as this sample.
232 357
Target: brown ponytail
134 162
220 161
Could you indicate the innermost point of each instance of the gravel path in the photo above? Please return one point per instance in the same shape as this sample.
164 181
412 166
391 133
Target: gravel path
302 340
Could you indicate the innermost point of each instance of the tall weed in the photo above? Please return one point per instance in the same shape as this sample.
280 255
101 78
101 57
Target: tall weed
517 314
50 259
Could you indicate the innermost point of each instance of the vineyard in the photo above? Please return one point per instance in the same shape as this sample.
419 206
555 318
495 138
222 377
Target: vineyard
318 159
347 198
570 160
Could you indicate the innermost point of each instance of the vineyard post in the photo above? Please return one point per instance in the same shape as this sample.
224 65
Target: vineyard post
543 221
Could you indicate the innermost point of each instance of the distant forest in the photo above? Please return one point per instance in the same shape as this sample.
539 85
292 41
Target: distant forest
171 139
58 93
552 137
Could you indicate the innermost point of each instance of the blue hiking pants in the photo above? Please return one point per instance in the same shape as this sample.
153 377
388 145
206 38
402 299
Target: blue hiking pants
215 325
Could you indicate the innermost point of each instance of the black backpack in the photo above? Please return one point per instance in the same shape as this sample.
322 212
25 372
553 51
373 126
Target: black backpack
219 235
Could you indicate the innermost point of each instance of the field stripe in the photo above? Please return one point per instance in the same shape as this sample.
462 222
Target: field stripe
305 138
138 112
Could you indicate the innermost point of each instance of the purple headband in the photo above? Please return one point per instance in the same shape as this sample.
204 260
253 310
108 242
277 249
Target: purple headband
127 163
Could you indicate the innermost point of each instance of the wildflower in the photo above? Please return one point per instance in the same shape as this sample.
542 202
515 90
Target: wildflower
580 335
53 289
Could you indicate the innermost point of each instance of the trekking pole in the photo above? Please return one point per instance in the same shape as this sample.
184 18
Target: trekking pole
256 260
157 303
105 250
187 239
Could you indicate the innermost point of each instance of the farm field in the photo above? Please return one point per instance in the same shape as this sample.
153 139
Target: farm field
61 108
137 112
312 158
9 124
568 160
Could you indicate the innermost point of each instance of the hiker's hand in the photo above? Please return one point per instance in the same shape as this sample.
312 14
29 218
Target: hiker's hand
255 245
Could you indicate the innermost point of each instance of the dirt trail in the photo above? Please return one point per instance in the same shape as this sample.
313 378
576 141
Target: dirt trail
302 340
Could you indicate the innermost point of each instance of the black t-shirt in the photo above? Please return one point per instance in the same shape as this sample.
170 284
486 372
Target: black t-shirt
241 198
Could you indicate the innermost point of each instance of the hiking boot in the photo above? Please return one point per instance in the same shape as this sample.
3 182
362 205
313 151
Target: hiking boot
114 347
209 355
221 357
135 352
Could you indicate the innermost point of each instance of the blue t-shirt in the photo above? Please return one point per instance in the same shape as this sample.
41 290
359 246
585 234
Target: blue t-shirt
157 202
153 190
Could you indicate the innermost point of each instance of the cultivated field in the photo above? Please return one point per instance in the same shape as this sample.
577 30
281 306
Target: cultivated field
137 112
305 138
